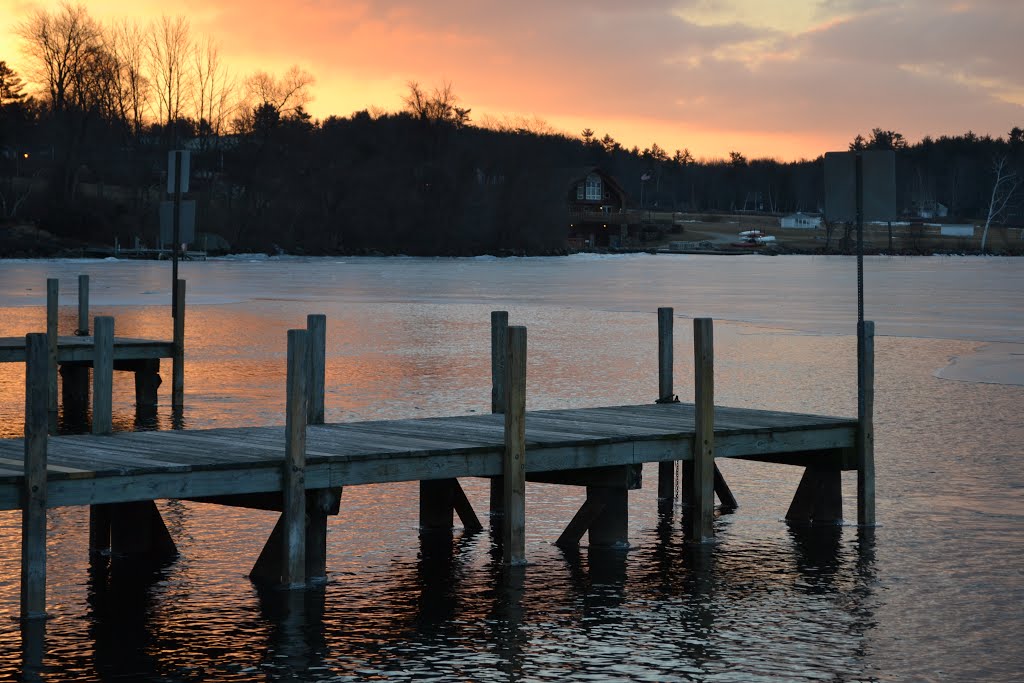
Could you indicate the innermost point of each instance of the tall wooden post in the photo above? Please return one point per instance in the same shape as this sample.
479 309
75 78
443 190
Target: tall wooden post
703 480
866 429
52 304
83 306
103 375
294 481
33 516
514 460
499 351
316 326
178 362
102 419
666 470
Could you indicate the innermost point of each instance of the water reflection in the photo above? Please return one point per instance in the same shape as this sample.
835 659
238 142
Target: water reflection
764 602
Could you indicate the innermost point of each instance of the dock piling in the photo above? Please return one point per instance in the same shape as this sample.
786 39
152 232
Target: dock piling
316 326
703 481
103 375
33 516
866 420
52 304
514 457
83 306
666 470
178 361
499 351
294 484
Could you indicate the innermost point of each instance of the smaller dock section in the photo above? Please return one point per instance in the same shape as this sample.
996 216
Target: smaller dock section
71 356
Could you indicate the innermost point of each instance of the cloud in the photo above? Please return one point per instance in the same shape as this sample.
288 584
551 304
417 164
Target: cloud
721 71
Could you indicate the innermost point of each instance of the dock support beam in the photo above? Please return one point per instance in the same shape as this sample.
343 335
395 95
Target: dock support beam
439 498
819 498
178 361
666 470
499 353
514 457
33 516
866 423
702 483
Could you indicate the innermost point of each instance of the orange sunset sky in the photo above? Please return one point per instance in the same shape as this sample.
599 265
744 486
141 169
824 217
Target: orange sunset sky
780 78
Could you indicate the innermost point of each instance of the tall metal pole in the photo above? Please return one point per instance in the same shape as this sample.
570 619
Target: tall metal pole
176 233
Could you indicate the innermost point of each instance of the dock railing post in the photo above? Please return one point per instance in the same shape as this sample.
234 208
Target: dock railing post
52 305
316 326
865 424
666 470
294 480
103 375
83 306
514 459
33 516
703 480
499 352
178 362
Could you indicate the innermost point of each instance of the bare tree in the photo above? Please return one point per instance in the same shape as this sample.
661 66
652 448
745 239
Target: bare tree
213 91
60 46
128 43
439 106
168 48
1003 188
285 94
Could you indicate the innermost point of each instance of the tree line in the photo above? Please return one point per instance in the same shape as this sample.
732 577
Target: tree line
83 156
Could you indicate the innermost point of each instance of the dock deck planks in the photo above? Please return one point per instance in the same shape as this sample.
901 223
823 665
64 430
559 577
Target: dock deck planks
146 465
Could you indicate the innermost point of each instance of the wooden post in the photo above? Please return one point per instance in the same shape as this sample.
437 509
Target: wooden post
33 516
52 303
294 483
102 419
866 428
703 480
103 375
178 362
499 350
666 470
514 460
316 326
83 306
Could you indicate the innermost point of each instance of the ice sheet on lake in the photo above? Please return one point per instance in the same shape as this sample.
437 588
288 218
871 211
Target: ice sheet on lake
989 364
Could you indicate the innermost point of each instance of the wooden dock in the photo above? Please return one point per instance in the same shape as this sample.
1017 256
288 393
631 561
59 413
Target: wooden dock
300 469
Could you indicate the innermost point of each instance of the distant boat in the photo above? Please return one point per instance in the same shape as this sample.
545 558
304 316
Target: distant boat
751 239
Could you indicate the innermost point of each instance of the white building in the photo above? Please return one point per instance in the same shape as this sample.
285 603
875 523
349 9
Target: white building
801 220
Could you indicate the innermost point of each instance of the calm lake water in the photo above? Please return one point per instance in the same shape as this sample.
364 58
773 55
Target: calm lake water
933 594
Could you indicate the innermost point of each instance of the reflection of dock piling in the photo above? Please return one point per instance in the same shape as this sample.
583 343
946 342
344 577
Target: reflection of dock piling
300 470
